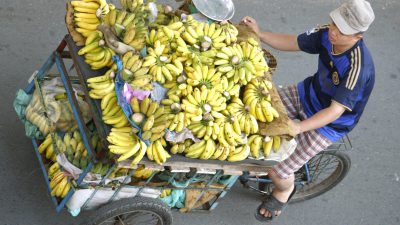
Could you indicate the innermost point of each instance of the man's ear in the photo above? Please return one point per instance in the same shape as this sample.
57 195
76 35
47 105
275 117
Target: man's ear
359 36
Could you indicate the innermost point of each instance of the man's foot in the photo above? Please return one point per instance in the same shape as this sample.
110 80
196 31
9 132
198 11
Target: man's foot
281 196
274 204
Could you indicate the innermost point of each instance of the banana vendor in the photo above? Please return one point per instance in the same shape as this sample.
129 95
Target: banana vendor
328 104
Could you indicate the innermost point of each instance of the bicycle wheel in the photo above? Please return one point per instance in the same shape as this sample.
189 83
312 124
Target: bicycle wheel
132 211
327 169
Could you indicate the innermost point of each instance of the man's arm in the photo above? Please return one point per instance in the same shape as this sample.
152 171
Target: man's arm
319 119
283 42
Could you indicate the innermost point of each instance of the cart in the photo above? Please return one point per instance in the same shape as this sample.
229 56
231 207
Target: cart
202 177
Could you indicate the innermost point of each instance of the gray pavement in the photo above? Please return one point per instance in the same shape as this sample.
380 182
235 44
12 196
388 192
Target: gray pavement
369 195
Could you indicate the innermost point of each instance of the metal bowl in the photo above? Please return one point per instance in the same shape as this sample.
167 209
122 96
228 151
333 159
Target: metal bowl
218 10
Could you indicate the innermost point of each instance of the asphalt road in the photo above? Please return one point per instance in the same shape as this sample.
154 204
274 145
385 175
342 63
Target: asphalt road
369 195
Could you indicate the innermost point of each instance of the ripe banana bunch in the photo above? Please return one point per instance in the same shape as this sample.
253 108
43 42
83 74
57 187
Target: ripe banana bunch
152 118
203 75
253 58
229 62
192 54
178 119
178 86
256 143
47 148
53 169
165 193
159 35
97 55
157 153
230 88
230 32
257 97
86 15
180 147
69 21
240 153
201 150
135 35
204 35
142 173
210 102
101 85
222 152
160 65
205 129
230 131
59 184
126 144
248 123
134 73
111 111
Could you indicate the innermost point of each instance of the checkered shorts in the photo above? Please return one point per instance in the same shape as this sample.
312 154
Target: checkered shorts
309 143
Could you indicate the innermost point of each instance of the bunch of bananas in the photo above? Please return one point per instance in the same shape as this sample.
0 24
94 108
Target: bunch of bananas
257 97
203 75
135 36
142 173
230 88
164 16
205 128
253 58
100 168
152 118
179 119
38 119
69 21
87 14
133 5
74 148
123 142
209 101
222 152
230 32
46 148
101 85
165 193
205 35
160 64
256 143
59 183
96 53
248 123
230 131
157 153
178 86
191 54
229 61
134 73
180 147
201 150
112 113
240 153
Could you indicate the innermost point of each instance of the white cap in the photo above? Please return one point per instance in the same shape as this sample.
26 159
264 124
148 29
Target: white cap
353 17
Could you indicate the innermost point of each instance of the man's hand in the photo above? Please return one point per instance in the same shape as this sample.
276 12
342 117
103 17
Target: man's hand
251 23
294 128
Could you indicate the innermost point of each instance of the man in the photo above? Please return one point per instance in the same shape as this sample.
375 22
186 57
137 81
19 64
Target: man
329 103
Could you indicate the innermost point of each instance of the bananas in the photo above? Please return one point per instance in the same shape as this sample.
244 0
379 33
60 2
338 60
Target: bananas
248 123
161 66
97 55
257 97
135 73
59 184
126 144
101 85
204 149
157 153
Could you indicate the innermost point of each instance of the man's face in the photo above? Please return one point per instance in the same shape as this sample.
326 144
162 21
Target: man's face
338 38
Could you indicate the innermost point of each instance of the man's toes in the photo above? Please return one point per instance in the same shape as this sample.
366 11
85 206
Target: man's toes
262 211
278 213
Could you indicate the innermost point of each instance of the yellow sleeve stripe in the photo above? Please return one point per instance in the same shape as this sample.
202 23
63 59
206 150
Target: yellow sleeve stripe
355 69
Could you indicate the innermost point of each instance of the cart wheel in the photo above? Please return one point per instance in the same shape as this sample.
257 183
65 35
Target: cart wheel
327 169
132 211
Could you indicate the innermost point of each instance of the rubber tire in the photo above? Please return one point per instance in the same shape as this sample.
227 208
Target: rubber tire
122 206
334 179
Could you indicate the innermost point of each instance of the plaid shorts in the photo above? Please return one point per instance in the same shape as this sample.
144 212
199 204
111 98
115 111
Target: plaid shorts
309 143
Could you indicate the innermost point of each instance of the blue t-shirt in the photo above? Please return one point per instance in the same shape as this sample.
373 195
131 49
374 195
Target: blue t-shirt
346 78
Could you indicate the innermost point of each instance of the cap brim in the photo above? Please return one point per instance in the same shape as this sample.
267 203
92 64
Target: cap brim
341 24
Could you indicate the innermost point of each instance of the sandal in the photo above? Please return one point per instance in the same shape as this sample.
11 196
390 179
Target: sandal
272 204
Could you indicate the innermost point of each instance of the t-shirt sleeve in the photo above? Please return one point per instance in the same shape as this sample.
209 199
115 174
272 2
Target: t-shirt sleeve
350 89
310 41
